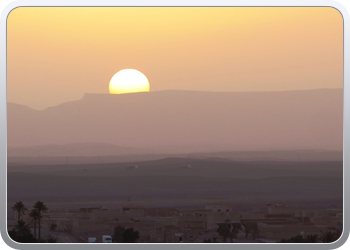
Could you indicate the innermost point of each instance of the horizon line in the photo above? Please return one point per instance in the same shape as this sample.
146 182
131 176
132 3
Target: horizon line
174 90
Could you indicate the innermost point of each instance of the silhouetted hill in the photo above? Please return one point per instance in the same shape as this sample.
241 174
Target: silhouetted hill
188 121
74 149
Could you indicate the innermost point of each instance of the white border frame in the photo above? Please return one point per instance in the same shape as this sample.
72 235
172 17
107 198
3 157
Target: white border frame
173 3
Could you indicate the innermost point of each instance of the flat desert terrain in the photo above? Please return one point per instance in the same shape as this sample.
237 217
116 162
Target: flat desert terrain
179 183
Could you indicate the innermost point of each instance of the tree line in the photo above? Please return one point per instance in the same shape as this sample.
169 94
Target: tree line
125 235
324 237
230 230
21 231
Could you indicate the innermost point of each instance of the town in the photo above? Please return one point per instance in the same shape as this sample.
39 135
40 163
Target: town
214 223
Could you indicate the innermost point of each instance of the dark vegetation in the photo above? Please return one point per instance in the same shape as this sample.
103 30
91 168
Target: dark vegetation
21 231
125 235
228 230
324 237
213 240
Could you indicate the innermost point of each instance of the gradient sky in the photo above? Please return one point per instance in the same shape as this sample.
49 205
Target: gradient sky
56 54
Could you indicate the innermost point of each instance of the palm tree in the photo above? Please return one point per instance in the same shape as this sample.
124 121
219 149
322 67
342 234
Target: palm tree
41 208
21 233
312 238
328 237
34 214
20 208
295 239
21 228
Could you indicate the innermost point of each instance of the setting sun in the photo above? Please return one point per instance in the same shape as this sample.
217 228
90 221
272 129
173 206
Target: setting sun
128 81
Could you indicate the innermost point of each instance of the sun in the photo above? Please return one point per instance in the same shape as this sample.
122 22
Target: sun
128 81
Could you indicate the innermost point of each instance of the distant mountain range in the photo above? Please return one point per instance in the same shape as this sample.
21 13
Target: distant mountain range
74 149
181 121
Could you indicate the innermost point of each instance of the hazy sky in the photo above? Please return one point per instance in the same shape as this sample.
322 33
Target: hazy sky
57 54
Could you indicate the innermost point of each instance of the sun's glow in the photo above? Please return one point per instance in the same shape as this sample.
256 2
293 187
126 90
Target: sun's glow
128 81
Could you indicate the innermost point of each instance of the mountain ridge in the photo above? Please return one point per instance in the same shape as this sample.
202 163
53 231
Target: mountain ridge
188 120
88 95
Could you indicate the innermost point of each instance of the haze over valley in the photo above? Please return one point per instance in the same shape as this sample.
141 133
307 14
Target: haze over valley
181 147
182 122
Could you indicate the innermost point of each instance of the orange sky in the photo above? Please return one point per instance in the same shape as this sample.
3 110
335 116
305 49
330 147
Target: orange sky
56 54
